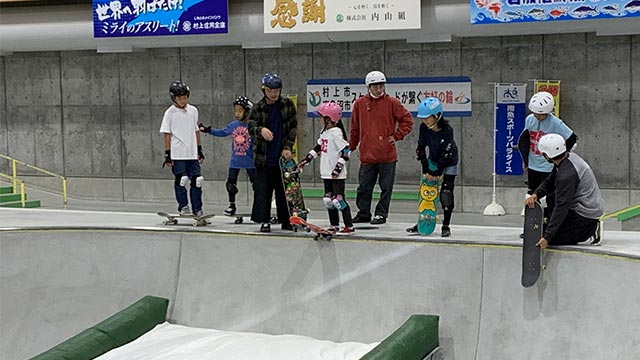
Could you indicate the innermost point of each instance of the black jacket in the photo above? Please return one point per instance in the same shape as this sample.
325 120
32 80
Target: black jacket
443 151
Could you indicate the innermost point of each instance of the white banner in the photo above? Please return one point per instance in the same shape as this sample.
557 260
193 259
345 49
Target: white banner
297 16
453 92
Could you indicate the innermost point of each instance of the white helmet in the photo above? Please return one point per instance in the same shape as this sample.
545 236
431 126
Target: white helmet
375 77
552 145
541 103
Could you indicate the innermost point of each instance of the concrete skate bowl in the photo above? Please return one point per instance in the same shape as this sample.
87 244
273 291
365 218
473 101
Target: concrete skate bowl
55 283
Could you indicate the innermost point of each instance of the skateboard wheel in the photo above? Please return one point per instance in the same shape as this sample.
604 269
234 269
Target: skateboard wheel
316 237
238 221
308 230
295 229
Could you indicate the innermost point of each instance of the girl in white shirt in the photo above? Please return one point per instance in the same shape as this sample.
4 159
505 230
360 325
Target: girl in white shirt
334 148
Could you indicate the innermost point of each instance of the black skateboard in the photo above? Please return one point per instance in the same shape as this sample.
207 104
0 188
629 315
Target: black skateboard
240 218
532 254
172 219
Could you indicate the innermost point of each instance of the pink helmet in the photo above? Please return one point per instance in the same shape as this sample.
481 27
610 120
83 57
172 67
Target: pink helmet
330 109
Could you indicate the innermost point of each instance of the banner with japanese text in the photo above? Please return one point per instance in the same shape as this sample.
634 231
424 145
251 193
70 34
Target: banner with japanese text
510 115
124 18
553 88
298 16
514 11
454 92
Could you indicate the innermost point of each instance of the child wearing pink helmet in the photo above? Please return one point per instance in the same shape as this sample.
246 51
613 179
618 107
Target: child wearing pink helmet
334 148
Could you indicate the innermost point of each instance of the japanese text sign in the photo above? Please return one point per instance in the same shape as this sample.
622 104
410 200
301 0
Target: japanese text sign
124 18
290 16
513 11
454 93
552 87
510 115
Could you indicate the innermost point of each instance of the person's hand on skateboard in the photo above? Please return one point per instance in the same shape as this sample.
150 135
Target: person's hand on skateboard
286 154
266 134
430 177
542 243
531 200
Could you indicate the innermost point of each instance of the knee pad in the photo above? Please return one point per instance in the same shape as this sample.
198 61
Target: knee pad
197 181
327 200
446 196
231 188
181 180
338 202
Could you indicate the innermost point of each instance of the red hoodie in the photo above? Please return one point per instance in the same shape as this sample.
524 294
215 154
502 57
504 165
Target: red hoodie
372 122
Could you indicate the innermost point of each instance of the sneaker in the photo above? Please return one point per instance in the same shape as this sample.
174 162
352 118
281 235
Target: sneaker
286 227
183 211
446 232
361 219
595 238
347 230
378 219
333 229
231 210
265 227
198 213
413 229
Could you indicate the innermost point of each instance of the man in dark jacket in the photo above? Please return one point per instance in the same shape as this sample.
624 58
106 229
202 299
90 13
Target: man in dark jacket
272 125
579 204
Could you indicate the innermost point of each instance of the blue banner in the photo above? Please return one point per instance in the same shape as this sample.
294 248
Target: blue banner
513 11
510 115
124 18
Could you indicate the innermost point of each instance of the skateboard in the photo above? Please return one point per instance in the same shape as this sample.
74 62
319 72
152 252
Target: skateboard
297 222
240 218
532 254
428 201
172 219
292 188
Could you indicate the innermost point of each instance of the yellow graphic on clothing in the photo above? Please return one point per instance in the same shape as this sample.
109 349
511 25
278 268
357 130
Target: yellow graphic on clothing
312 11
428 195
285 12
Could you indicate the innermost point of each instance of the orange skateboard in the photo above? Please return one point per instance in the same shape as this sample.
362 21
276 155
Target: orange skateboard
297 221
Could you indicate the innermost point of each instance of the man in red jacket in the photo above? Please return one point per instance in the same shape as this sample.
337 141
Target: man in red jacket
378 121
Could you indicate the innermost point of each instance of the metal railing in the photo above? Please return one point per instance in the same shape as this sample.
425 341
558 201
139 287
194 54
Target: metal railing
18 184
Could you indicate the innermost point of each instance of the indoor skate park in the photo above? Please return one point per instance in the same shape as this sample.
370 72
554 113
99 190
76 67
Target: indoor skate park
85 249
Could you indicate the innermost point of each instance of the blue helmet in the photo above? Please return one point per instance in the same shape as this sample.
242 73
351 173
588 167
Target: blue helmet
272 81
430 106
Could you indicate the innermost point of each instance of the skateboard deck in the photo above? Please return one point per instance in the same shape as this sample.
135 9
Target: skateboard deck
532 254
292 188
240 218
427 205
172 219
297 222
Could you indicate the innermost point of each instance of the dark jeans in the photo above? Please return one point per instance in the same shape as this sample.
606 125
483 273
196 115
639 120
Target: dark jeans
384 174
191 168
269 179
575 229
233 179
534 179
336 187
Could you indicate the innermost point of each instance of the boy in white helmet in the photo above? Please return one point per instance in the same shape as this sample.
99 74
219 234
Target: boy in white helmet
378 121
539 123
579 204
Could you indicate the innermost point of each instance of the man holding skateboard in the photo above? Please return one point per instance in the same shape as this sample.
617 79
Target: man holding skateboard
272 126
578 202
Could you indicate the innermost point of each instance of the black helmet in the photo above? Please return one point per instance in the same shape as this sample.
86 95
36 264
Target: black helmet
178 88
272 81
244 102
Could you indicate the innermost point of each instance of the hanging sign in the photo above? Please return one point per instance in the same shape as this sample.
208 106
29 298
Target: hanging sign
510 115
298 16
513 11
124 18
553 88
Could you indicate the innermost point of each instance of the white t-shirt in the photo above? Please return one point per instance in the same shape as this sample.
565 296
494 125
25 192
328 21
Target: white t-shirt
182 124
331 142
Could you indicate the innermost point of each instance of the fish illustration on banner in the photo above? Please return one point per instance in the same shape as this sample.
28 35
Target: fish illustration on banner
513 11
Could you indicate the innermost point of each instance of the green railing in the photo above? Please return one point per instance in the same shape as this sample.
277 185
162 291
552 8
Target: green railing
18 184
